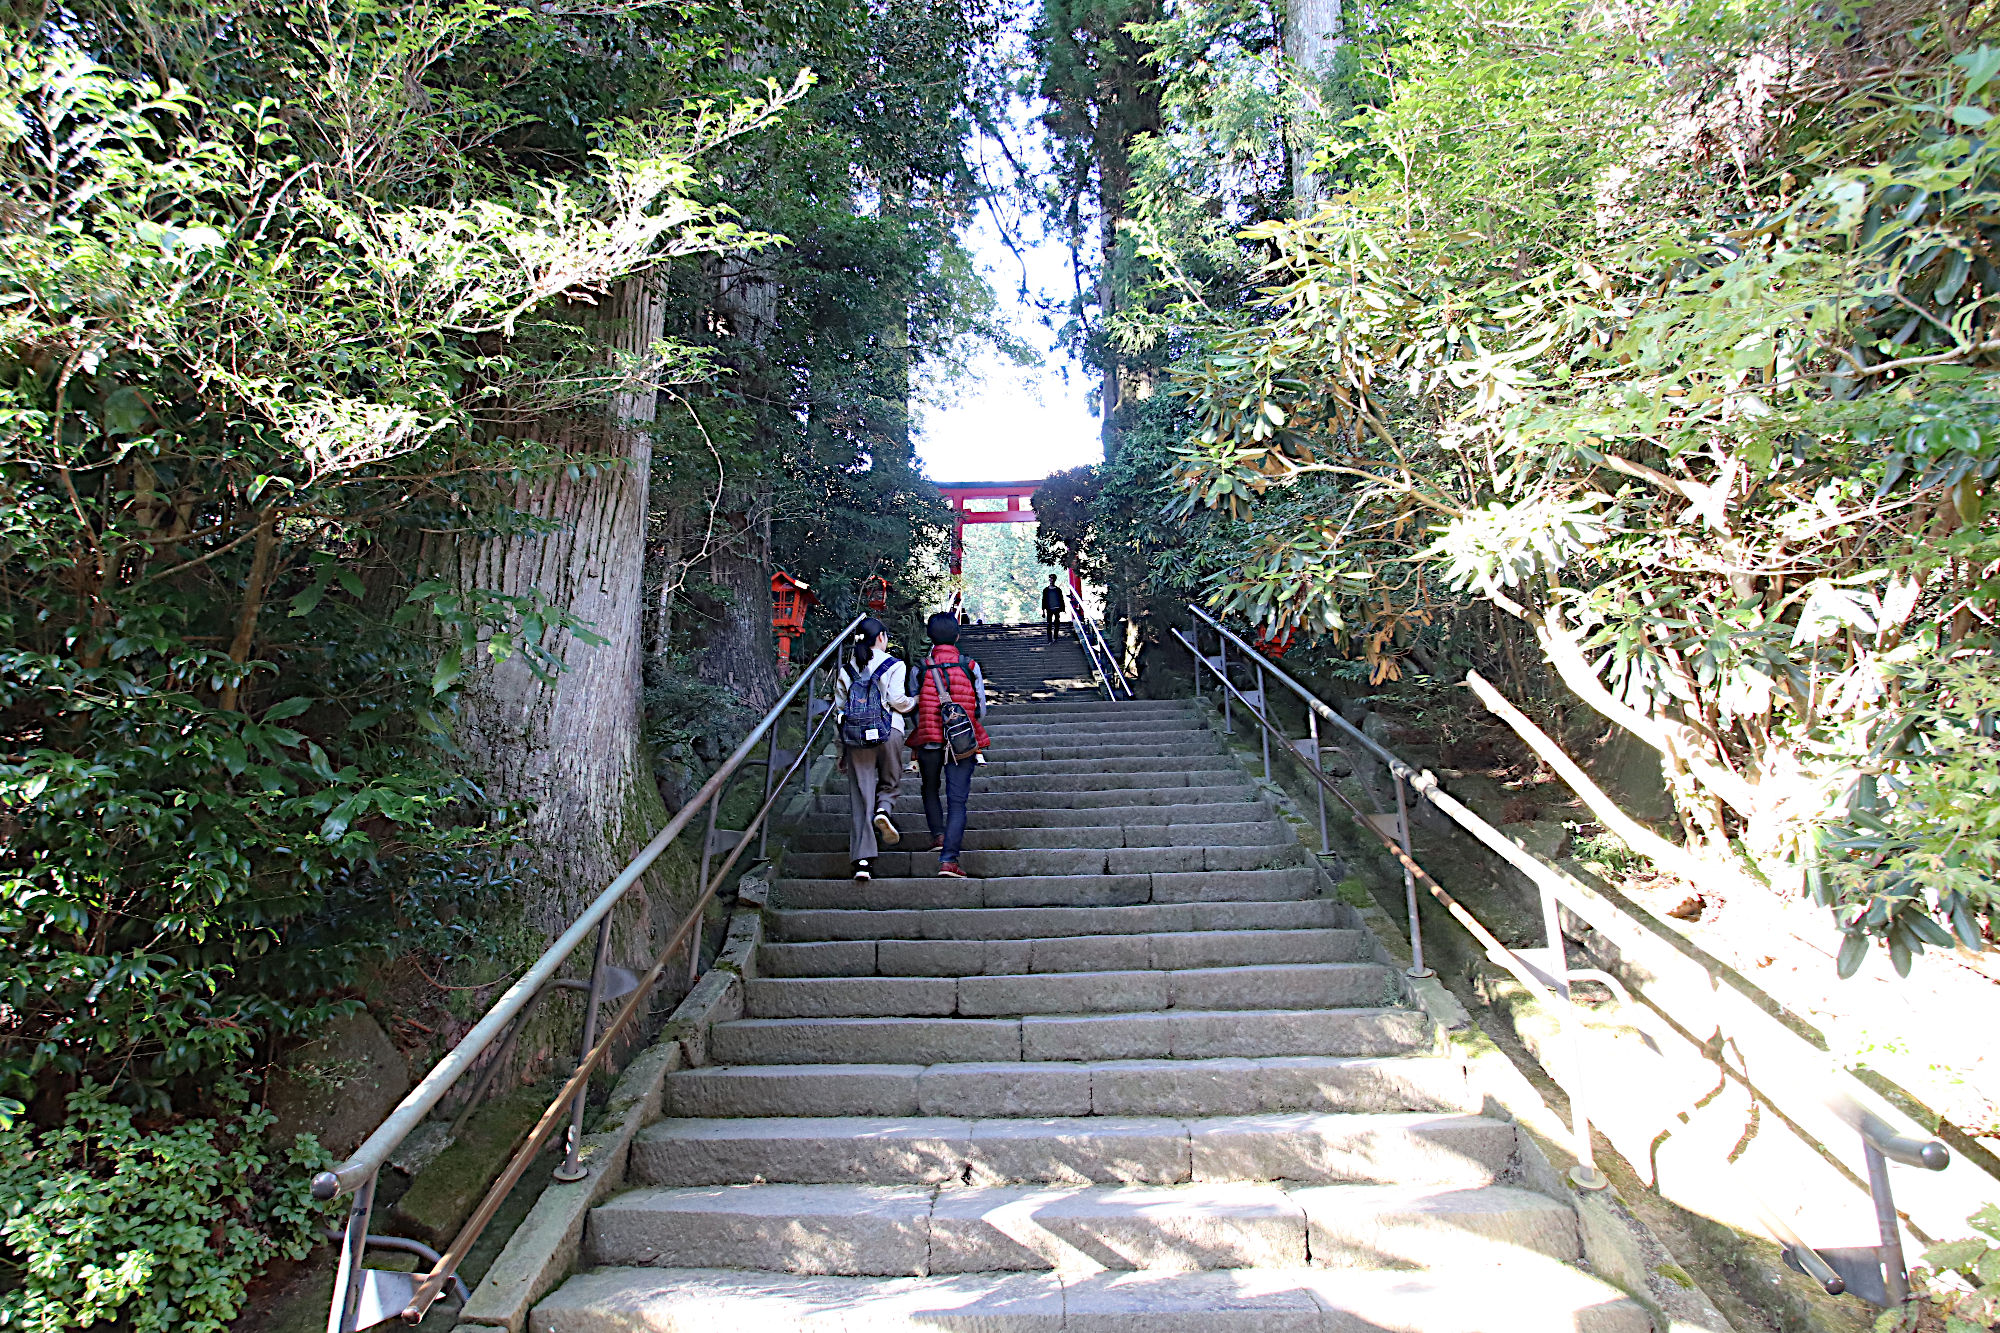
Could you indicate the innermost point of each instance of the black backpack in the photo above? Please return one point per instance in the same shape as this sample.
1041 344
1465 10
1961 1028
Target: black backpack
865 719
961 738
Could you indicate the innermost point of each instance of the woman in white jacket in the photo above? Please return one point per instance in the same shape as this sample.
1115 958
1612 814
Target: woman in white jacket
874 768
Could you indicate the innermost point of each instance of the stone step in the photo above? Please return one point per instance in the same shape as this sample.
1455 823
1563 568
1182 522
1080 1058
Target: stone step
1092 708
911 859
1135 1035
1410 1148
828 833
918 1230
986 803
1282 885
1160 770
832 818
1524 1293
1279 986
1150 776
1174 730
1057 746
1218 1087
1027 923
1088 953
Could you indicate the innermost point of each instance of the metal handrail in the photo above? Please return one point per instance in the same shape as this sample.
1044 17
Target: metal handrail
1089 651
1087 630
1546 972
358 1174
1585 1174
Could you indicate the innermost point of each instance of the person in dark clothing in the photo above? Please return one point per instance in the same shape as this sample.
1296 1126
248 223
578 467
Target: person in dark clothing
1052 609
950 669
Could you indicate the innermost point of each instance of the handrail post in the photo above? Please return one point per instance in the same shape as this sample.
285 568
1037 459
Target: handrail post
770 773
1194 631
1312 734
1584 1174
1417 970
571 1170
701 885
1264 711
1228 718
1895 1277
347 1281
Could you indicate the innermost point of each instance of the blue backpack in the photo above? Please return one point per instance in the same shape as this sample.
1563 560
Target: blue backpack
865 719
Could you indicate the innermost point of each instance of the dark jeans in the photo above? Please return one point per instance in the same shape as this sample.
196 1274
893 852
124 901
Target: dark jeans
946 818
1051 622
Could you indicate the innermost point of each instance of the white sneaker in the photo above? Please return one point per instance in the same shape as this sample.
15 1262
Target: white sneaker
885 829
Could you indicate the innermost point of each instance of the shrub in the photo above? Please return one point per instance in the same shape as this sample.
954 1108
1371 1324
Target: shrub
157 1229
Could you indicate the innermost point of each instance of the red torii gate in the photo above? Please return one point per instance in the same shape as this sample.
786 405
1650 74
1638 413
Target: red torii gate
1019 496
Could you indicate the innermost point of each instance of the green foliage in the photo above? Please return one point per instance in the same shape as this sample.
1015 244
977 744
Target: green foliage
1004 577
290 296
232 379
1959 1279
1705 406
1064 506
105 1221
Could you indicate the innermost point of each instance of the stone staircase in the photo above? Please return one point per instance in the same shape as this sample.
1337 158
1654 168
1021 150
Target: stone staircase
1138 1075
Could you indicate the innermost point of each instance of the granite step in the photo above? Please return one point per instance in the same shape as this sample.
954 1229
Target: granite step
1028 923
1005 819
1135 1035
1088 953
986 804
882 893
920 1230
1281 849
1216 1087
1526 1294
828 834
1282 986
1409 1148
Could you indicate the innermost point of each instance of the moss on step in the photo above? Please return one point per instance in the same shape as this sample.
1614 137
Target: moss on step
445 1192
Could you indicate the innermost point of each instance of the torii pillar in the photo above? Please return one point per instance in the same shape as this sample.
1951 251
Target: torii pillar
1019 496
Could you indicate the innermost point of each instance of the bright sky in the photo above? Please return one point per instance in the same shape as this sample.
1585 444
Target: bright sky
1005 422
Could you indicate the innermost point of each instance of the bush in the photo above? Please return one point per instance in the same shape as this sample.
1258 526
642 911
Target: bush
157 1229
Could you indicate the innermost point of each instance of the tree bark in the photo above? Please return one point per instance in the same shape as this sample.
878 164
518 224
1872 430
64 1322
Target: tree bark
569 749
1312 32
737 649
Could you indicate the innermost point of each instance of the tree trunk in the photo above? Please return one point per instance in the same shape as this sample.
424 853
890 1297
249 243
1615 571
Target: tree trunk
1312 32
737 648
569 749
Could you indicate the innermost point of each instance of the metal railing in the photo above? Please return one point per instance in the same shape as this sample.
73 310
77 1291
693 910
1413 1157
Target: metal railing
1876 1273
1547 973
380 1294
1103 662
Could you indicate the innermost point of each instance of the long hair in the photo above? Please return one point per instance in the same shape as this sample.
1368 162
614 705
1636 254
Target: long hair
862 644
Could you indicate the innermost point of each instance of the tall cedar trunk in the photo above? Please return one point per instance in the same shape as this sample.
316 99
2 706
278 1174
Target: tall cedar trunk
737 649
1312 32
1133 110
569 749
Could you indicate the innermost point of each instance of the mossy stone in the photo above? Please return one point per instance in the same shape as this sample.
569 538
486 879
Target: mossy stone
445 1192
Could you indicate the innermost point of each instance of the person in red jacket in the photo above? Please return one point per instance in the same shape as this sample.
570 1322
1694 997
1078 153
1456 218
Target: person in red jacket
960 675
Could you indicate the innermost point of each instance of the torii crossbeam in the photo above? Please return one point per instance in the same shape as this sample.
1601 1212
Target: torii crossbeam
1019 496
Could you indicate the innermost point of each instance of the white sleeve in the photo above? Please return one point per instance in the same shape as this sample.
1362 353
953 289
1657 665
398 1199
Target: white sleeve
979 687
895 686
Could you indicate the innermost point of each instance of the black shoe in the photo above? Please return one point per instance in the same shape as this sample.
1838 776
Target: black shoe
861 875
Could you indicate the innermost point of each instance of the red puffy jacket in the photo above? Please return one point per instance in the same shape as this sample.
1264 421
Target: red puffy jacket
959 673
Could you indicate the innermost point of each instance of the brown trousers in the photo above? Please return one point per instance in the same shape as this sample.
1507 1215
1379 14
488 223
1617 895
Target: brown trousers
873 774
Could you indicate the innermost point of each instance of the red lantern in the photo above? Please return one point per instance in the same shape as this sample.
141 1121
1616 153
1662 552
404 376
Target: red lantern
875 595
790 600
